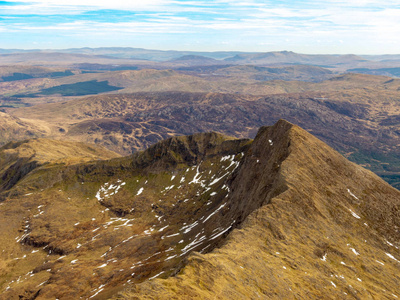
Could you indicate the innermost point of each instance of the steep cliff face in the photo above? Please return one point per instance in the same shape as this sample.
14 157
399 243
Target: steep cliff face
326 229
204 217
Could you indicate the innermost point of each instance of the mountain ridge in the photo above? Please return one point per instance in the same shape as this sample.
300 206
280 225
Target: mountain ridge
284 213
277 251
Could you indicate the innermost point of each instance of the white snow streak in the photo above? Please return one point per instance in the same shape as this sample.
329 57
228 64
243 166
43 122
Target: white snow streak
351 194
219 208
392 257
354 214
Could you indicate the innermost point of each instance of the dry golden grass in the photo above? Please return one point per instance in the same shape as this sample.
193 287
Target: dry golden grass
304 243
308 223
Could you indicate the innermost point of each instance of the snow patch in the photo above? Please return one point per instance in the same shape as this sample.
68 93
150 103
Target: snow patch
218 179
222 232
162 229
197 176
354 214
107 190
213 213
99 289
379 262
351 194
392 257
188 228
355 251
156 275
170 257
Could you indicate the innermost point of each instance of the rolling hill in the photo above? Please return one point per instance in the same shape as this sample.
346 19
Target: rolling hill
289 57
354 113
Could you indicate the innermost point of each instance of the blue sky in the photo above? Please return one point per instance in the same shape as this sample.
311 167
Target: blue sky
305 26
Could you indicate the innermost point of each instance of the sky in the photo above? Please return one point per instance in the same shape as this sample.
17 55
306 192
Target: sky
303 26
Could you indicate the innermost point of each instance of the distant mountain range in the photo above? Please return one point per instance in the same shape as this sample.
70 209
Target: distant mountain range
232 56
129 53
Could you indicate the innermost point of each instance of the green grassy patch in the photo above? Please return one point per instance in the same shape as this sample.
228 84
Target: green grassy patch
22 76
76 89
17 76
385 166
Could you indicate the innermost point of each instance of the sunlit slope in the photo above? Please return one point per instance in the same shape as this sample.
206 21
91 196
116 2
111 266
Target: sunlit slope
328 229
283 216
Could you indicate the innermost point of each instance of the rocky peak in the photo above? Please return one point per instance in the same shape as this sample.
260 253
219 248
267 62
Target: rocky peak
199 216
190 150
316 225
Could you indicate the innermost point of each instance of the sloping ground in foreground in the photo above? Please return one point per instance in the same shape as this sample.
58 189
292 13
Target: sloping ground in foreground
328 230
202 217
84 230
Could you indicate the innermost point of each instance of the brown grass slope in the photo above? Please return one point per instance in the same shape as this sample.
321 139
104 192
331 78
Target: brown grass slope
328 229
76 230
13 128
18 159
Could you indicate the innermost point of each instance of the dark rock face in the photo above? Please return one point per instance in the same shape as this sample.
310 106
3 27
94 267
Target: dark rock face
16 172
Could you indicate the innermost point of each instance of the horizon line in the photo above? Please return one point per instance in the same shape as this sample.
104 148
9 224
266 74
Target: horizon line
174 50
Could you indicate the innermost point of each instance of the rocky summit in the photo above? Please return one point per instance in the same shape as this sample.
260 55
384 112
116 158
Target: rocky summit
205 216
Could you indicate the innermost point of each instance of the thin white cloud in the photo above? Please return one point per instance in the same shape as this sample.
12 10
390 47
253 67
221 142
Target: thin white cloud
363 3
50 7
97 28
115 4
330 22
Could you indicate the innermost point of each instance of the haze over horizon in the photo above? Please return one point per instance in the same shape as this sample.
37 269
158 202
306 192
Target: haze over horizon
309 26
